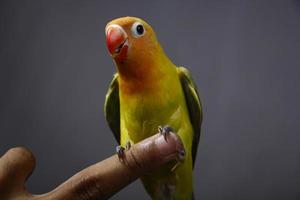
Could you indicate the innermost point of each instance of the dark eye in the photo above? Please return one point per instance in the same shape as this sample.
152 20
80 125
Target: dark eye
137 29
140 29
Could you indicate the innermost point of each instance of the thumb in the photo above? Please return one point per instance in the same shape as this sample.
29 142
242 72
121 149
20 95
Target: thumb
16 165
102 180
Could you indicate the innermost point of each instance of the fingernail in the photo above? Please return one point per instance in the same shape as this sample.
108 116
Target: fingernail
166 147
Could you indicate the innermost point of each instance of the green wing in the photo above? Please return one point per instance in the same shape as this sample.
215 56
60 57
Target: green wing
193 104
112 107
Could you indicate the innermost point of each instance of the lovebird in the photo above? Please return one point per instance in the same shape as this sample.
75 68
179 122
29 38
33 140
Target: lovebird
149 94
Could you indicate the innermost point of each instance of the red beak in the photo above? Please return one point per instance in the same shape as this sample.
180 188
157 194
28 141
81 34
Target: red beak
117 42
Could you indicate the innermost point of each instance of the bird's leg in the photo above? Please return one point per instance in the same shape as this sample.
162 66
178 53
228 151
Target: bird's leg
165 130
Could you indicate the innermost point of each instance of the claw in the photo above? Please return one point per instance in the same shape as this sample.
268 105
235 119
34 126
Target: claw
165 131
160 129
181 154
179 159
120 151
128 145
175 166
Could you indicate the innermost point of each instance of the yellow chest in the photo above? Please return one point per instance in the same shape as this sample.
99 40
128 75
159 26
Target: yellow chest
142 113
141 117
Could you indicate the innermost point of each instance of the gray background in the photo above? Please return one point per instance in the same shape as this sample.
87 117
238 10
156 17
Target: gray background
244 56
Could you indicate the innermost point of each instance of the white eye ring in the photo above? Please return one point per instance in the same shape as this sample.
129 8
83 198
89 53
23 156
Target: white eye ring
138 29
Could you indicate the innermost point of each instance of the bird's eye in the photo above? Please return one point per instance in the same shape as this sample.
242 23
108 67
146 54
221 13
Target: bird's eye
137 29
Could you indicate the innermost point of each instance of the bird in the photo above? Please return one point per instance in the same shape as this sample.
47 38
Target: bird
149 94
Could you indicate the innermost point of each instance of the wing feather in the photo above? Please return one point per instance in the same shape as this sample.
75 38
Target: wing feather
112 107
193 104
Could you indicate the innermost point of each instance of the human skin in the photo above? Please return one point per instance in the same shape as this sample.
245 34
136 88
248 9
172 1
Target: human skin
98 181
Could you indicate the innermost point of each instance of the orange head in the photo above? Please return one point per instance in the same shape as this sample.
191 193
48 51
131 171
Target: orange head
133 45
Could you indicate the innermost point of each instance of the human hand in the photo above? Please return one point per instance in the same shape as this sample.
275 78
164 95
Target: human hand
99 181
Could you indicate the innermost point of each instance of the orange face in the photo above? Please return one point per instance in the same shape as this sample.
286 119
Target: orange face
133 45
129 39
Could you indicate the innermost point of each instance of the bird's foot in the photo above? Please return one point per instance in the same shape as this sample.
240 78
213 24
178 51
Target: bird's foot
120 152
179 159
128 145
165 131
